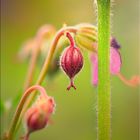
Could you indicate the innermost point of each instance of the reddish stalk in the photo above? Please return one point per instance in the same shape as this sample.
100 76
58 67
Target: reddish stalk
20 107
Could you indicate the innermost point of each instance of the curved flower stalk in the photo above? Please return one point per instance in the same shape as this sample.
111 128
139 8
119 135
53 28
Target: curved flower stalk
33 48
115 65
44 105
45 32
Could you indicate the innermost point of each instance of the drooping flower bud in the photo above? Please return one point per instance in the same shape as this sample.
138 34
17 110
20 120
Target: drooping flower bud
71 61
38 115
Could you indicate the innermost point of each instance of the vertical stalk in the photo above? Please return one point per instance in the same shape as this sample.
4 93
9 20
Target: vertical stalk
104 92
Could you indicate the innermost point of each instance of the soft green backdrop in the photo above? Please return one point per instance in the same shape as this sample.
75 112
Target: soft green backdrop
75 117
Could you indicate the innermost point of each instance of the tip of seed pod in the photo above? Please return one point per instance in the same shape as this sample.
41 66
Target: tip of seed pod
71 85
68 88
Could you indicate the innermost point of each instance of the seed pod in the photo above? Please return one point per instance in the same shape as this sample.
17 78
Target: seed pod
71 61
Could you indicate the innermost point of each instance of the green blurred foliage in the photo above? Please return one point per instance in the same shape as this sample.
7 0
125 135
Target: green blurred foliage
75 117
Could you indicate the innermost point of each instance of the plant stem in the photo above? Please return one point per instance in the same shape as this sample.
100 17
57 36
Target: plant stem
20 106
39 38
71 39
32 64
104 92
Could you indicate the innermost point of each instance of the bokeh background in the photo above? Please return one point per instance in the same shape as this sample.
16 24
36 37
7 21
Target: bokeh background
75 117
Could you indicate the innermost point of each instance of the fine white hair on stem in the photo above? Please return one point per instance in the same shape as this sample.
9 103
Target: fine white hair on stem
95 11
111 15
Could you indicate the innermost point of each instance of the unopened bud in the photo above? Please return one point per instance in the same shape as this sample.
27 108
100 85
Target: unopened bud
86 36
38 115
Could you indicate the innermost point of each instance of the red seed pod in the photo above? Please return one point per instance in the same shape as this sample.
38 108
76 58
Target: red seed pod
71 61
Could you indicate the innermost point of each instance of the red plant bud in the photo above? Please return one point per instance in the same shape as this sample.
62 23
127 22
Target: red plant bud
38 115
71 61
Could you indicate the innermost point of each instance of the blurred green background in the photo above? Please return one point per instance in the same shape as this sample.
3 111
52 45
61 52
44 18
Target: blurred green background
75 117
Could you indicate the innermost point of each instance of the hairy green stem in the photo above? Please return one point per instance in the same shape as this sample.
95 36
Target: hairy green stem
104 92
